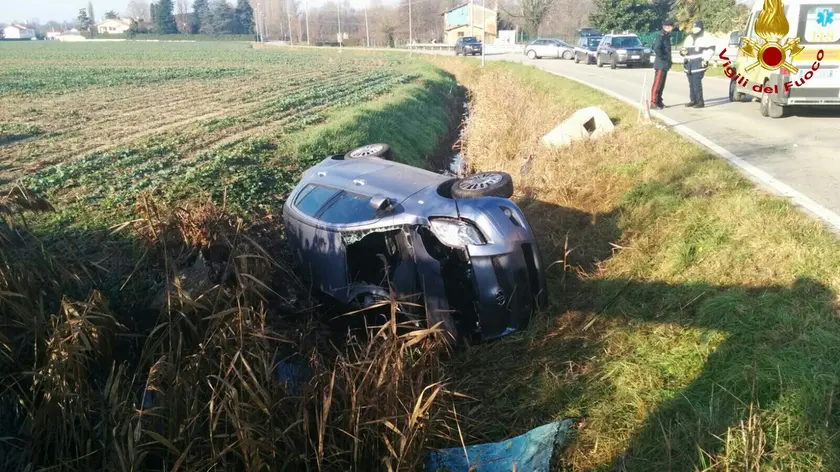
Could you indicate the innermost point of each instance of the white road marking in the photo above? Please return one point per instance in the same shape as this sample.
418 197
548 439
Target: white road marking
757 174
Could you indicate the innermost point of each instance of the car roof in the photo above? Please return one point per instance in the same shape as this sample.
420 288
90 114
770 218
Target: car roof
372 176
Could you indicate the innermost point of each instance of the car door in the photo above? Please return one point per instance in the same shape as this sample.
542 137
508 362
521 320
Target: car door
552 48
604 49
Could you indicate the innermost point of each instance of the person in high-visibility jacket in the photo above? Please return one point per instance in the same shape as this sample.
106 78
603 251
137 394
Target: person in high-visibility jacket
697 51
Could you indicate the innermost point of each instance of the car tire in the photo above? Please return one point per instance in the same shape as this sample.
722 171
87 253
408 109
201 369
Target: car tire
613 63
598 61
531 54
734 94
567 55
577 59
769 108
484 184
382 151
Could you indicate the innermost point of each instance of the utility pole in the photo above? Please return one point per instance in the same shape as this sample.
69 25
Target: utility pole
410 36
340 36
483 31
289 16
367 31
307 23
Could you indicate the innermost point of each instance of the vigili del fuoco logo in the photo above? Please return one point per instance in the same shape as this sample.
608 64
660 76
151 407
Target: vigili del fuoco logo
771 26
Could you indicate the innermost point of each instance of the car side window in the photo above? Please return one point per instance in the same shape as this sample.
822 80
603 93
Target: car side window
312 198
349 208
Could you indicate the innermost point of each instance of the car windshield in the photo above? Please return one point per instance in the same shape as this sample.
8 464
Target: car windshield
593 42
469 39
312 198
349 208
626 42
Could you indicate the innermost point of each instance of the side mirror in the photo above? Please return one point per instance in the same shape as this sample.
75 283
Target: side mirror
380 203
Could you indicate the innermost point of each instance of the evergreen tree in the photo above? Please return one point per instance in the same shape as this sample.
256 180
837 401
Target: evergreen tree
631 15
83 20
222 17
719 16
164 19
244 17
111 15
90 13
200 19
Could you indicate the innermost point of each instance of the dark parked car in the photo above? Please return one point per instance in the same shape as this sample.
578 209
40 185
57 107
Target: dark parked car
360 223
623 49
586 48
469 45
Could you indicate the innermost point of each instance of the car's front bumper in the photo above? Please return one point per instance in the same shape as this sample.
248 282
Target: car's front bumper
634 59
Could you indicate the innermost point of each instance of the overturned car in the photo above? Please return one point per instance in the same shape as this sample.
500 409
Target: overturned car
361 225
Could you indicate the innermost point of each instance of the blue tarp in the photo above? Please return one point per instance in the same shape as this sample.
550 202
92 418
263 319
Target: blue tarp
530 452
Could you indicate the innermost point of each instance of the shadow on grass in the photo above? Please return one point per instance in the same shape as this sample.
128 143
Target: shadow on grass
723 374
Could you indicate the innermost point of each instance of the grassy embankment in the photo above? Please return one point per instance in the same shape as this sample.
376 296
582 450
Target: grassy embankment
694 320
144 317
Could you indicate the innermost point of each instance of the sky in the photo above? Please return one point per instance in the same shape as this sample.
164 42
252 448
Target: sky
58 10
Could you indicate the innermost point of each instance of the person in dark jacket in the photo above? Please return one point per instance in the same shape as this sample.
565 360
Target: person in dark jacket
662 64
697 51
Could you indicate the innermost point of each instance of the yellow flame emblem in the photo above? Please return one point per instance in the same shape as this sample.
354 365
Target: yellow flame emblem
771 26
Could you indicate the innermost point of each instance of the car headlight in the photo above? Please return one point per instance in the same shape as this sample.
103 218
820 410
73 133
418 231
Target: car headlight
621 51
647 51
456 233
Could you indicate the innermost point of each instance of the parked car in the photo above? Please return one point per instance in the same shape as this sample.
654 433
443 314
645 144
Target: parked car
586 48
360 223
540 48
583 32
623 49
468 45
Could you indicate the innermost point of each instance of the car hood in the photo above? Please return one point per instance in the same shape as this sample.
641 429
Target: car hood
374 177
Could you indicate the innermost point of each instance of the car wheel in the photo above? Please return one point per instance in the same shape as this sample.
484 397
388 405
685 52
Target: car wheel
613 63
532 54
734 94
598 61
484 184
567 55
577 59
382 151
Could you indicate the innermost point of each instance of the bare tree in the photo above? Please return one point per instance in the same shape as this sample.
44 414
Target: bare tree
181 16
138 9
533 13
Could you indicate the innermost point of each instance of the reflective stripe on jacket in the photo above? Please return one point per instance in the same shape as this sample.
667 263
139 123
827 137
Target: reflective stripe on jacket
699 50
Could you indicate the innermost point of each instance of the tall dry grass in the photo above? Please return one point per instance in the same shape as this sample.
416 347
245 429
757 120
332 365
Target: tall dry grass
204 390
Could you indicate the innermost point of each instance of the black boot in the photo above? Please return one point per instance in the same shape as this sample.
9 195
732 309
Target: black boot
699 105
690 104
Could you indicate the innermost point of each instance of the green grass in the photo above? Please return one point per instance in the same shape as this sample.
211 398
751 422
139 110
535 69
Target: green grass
695 326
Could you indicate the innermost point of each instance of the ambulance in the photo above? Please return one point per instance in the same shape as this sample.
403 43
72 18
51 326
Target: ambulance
804 34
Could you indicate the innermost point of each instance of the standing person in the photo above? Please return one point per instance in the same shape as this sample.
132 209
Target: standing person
697 52
662 63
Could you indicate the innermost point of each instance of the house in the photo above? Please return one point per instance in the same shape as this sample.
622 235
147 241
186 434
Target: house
467 20
54 34
16 31
117 26
70 35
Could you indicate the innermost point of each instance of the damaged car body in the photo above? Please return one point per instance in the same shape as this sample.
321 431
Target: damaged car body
362 225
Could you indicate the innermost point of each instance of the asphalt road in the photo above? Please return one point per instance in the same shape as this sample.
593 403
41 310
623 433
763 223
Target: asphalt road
796 156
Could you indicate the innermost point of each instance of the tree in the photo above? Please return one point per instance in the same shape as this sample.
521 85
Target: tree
221 18
90 13
164 19
138 10
533 13
719 16
244 15
182 16
83 20
200 20
111 15
630 15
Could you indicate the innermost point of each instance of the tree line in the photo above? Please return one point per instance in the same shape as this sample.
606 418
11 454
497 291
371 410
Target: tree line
160 17
644 15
